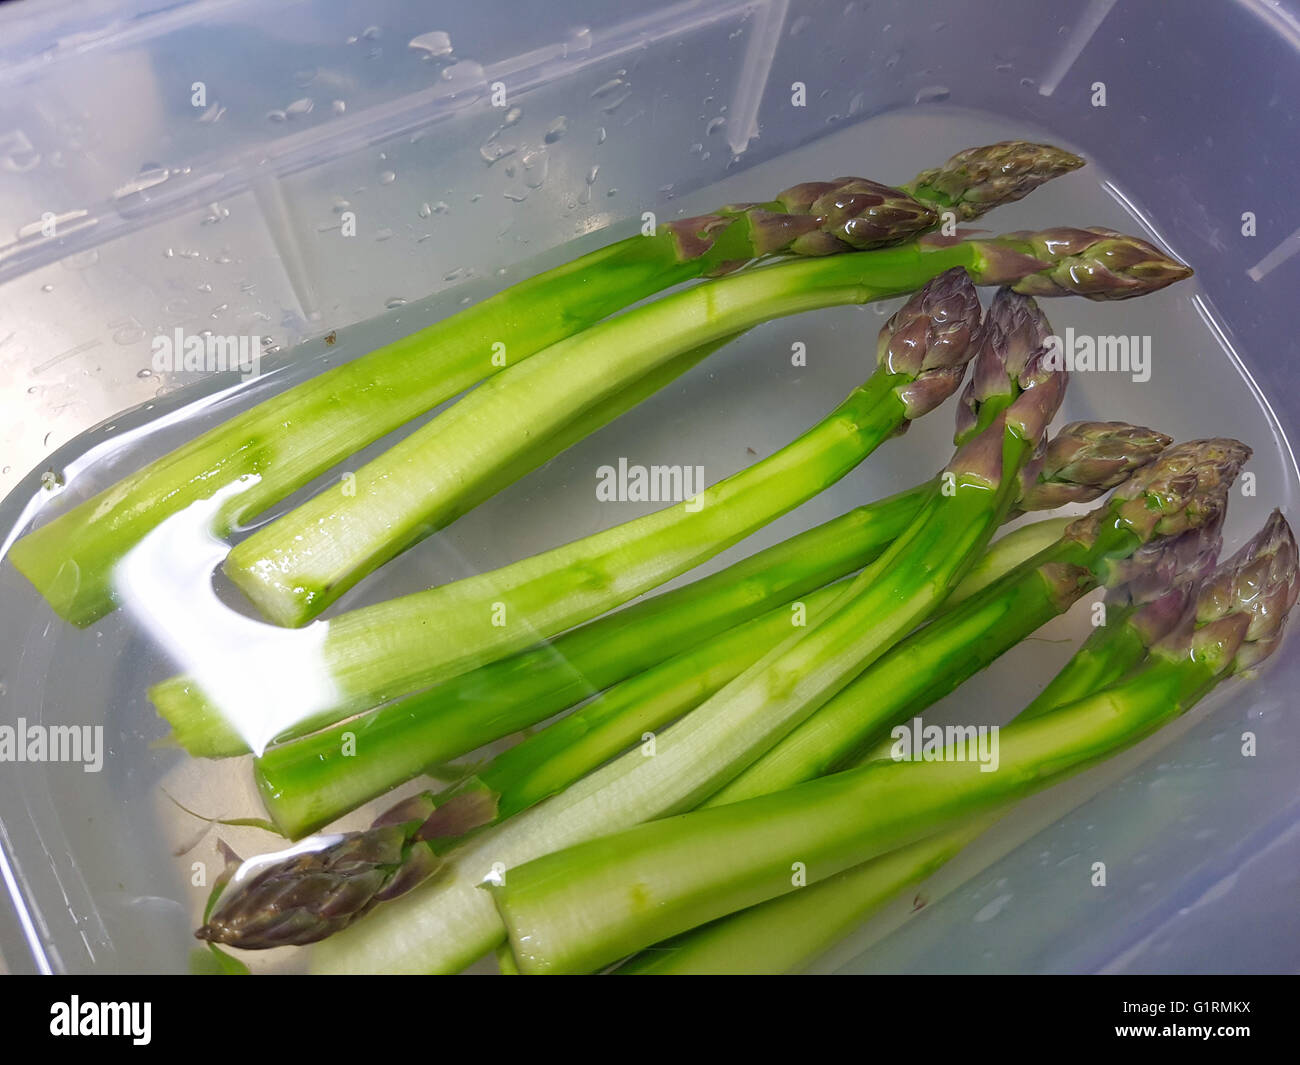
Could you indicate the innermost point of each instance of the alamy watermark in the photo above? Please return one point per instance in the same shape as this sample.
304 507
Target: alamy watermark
23 742
630 483
919 742
1084 353
77 1018
206 353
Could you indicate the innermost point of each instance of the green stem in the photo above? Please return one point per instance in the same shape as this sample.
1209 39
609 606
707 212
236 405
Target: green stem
406 644
295 436
309 782
299 564
448 923
934 662
1109 652
631 712
785 934
564 752
572 911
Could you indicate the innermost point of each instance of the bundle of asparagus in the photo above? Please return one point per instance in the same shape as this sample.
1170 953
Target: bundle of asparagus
668 803
290 439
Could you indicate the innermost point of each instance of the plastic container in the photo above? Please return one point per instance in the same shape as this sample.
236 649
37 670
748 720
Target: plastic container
187 165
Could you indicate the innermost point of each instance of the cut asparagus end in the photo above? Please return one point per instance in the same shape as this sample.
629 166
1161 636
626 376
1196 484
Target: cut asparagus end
1097 263
930 339
977 180
1085 459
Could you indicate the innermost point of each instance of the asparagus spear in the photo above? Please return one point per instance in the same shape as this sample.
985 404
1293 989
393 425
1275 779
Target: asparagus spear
786 933
1185 489
397 647
449 922
562 753
582 908
406 644
296 566
295 436
292 438
257 914
310 781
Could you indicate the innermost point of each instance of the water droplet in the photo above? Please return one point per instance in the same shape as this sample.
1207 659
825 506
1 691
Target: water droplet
203 286
425 210
340 205
301 107
1027 83
556 130
536 165
591 175
695 149
32 390
992 909
276 116
515 197
799 25
339 106
601 135
371 33
512 117
384 234
892 60
387 177
47 288
493 152
435 44
212 114
303 78
932 94
148 177
1003 68
616 102
169 253
715 126
612 192
395 302
608 88
441 207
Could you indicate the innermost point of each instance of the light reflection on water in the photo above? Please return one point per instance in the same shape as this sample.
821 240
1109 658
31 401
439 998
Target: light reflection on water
261 677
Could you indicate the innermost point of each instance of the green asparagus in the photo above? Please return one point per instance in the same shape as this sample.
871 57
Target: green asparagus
309 782
410 643
786 933
580 909
1185 489
291 438
444 925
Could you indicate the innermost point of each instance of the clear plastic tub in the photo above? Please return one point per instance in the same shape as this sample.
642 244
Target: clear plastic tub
187 166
